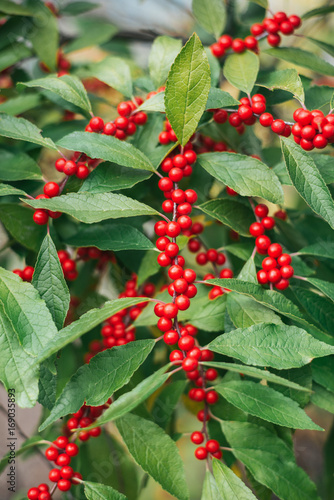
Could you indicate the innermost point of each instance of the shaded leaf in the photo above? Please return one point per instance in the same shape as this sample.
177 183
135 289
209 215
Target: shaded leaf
230 212
302 58
241 70
23 130
211 15
163 52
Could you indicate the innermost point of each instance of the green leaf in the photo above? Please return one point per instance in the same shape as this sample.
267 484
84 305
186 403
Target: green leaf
187 89
110 236
302 58
322 398
19 223
84 324
322 372
211 15
154 103
210 488
209 315
93 32
13 54
47 384
14 9
241 70
67 87
106 148
20 104
26 328
307 180
49 281
94 207
112 177
250 371
318 307
245 311
229 485
128 401
248 176
320 11
248 272
7 190
323 249
148 267
17 166
266 344
23 130
270 460
155 452
95 382
263 402
166 401
325 287
261 3
98 491
270 298
233 213
301 376
163 52
76 8
220 99
114 72
286 79
43 34
324 46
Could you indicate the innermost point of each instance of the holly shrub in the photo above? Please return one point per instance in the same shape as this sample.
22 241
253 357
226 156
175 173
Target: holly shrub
171 259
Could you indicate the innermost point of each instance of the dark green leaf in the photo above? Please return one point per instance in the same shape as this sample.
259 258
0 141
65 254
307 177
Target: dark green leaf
166 401
7 190
13 54
98 491
322 372
20 104
187 89
319 308
320 11
263 402
92 32
19 223
87 322
286 79
26 328
211 15
307 180
67 87
266 344
49 281
95 382
14 9
325 287
270 460
148 267
241 70
248 176
155 452
23 130
302 58
245 311
230 212
106 148
323 398
114 72
229 485
220 99
110 236
94 207
324 46
320 249
163 52
76 8
112 177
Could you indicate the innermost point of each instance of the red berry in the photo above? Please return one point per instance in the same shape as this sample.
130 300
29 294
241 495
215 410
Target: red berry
250 42
191 158
189 364
295 21
124 109
173 229
211 374
170 310
273 39
217 50
258 107
27 273
226 41
207 355
231 191
282 284
275 250
165 184
245 112
40 217
284 259
109 128
261 210
201 259
271 26
212 445
186 343
238 45
278 126
171 337
304 117
64 484
70 168
226 273
268 222
179 161
60 164
201 453
257 29
320 141
51 453
182 302
287 272
307 145
96 431
160 228
164 324
197 437
262 277
82 172
175 174
212 254
51 189
189 275
211 397
202 416
234 120
269 263
96 124
197 228
175 272
168 206
266 119
220 116
72 449
221 259
66 472
54 475
33 494
274 275
307 132
184 221
175 356
256 229
280 17
286 27
63 459
262 242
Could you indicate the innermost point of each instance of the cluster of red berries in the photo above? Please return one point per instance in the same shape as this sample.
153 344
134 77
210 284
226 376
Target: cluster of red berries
118 329
270 27
61 453
167 135
68 265
207 145
41 217
226 42
313 129
25 274
79 165
276 272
